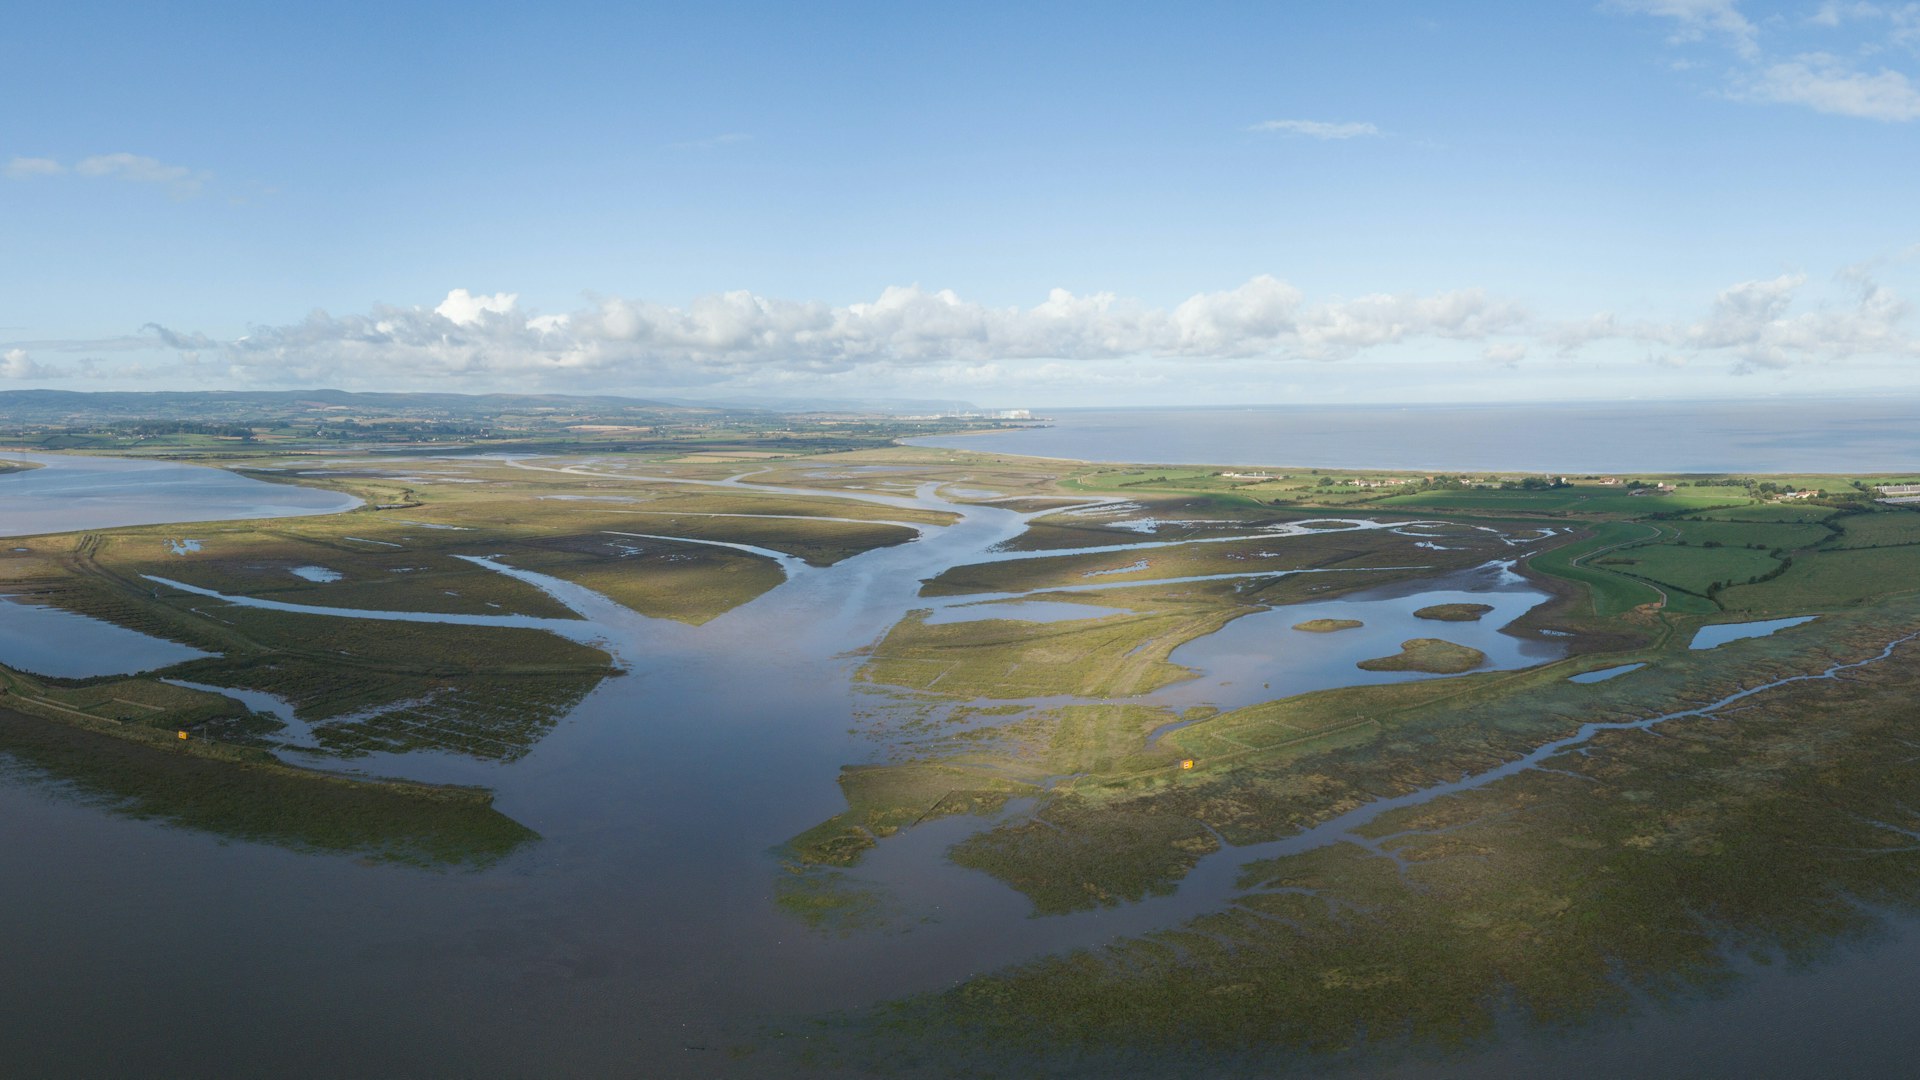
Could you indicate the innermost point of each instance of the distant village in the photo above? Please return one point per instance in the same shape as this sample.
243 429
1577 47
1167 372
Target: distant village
1891 493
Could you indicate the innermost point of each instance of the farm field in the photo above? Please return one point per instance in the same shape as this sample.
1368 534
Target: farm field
1691 569
1575 500
1886 529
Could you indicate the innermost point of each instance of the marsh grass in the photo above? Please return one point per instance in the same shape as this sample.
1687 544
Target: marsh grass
244 796
1453 612
1328 626
1430 655
1649 867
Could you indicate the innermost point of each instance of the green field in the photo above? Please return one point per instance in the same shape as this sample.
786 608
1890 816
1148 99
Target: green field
1786 536
1770 512
1609 593
1573 501
1882 529
1824 580
1692 569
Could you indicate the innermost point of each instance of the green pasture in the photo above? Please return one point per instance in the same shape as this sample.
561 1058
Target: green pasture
1690 568
1824 580
1612 593
1886 528
1574 500
1770 512
1786 536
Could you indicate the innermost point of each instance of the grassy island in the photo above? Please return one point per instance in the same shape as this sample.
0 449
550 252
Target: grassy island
1430 655
1328 626
1454 612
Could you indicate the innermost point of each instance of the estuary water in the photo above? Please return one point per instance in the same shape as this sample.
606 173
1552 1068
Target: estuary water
1767 436
69 493
48 641
638 936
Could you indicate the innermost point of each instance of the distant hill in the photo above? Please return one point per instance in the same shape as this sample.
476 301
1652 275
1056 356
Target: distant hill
882 406
69 406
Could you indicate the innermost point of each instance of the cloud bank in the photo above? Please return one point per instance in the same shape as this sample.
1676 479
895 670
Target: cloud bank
1072 344
616 341
1767 324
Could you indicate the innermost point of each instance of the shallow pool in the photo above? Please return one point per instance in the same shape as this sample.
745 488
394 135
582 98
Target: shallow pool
1604 674
1708 637
1260 657
48 641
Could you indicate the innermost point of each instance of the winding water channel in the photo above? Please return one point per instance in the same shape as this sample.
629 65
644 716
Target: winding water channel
640 929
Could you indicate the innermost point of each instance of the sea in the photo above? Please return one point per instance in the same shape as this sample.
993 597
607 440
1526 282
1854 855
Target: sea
1762 436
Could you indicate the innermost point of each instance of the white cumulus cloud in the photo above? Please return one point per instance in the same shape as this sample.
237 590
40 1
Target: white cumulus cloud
1756 321
733 335
16 364
1770 323
462 308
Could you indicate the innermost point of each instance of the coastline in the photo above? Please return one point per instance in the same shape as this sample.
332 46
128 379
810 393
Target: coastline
1827 437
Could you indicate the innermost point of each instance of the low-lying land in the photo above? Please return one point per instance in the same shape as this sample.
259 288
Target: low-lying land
1095 774
1649 865
1129 798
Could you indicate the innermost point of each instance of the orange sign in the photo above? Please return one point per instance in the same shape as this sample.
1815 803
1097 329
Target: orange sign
182 734
1185 763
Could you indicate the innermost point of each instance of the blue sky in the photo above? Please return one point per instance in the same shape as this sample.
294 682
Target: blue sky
1016 204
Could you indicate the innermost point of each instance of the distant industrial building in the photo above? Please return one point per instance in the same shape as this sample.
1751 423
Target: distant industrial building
1900 489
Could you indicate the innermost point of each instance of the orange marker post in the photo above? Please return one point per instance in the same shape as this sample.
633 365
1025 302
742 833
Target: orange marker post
1186 763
